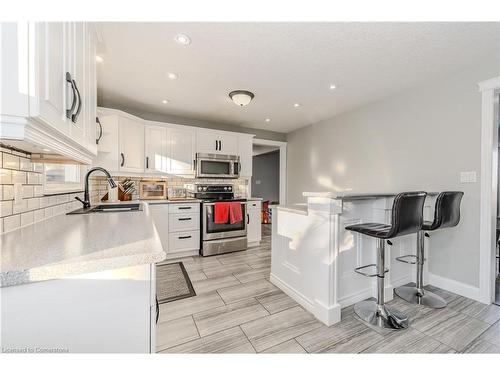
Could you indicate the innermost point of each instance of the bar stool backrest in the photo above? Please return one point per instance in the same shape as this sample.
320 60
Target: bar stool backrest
407 213
447 210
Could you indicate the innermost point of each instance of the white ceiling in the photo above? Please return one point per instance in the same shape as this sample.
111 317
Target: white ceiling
282 63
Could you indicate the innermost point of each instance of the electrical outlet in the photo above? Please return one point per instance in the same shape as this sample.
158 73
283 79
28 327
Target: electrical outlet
468 177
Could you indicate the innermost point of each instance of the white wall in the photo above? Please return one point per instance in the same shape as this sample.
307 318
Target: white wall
419 139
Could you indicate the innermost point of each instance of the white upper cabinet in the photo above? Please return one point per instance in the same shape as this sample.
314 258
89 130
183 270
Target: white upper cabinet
46 95
245 152
52 64
90 104
131 141
156 148
181 150
214 142
108 147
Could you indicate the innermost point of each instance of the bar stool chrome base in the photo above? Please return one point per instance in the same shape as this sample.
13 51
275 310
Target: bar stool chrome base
387 317
426 298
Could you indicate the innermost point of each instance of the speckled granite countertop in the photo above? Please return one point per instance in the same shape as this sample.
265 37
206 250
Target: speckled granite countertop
68 245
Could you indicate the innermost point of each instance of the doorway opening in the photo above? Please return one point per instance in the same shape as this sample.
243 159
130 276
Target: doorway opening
497 243
268 178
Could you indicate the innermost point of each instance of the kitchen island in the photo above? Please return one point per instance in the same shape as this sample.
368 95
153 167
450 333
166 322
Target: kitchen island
81 283
313 257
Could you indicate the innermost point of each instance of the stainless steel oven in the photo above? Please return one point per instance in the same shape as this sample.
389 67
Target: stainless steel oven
217 166
219 238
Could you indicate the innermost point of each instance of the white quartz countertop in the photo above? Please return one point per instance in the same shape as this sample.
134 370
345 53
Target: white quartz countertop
353 195
68 245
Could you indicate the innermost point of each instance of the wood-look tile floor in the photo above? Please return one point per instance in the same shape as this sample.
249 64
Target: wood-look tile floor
237 310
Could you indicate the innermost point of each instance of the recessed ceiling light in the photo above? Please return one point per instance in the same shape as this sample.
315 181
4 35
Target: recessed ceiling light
165 101
46 149
172 76
333 86
99 59
268 119
182 39
296 105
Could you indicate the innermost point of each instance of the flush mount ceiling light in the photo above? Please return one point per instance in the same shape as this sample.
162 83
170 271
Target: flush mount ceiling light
182 39
241 97
172 76
99 59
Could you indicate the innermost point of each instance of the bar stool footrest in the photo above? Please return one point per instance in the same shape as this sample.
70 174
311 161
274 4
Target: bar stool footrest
369 274
409 259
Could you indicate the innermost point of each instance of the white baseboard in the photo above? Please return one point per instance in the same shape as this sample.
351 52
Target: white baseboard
325 314
353 298
456 287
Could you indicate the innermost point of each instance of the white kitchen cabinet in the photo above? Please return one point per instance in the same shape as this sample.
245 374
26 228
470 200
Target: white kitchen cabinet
216 142
254 222
90 103
160 214
156 148
108 148
245 152
45 63
131 144
180 150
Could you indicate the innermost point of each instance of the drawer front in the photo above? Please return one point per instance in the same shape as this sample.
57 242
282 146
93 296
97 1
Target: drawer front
183 241
253 205
184 222
184 208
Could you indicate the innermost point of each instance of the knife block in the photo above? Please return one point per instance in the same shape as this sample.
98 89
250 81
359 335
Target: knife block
121 195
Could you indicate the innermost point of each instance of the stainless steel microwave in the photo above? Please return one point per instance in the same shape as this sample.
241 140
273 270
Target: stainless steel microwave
217 166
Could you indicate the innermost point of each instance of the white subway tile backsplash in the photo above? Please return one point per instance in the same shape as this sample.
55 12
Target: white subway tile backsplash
28 191
38 215
59 209
44 202
34 178
62 198
52 200
27 218
20 207
49 212
33 203
25 164
5 176
10 161
18 177
5 208
8 192
37 167
38 190
11 223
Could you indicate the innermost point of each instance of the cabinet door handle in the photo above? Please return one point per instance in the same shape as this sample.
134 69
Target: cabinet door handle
147 162
248 219
100 130
157 309
184 208
220 145
74 117
70 80
216 145
184 237
123 160
184 218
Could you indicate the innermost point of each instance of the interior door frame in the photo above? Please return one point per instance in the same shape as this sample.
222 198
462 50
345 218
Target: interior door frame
489 90
282 150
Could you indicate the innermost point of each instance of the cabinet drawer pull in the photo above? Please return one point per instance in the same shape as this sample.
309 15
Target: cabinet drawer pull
74 117
184 237
185 208
123 160
70 80
184 218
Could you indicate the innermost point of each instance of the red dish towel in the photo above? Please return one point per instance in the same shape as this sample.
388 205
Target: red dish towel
235 213
221 213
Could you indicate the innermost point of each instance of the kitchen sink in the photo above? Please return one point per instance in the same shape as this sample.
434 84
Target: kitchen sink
121 207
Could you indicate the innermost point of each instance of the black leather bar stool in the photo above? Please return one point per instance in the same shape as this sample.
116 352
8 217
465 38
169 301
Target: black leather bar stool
407 216
446 215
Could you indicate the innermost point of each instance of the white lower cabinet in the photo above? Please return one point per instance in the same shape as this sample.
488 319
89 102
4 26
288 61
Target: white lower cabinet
178 226
254 234
102 312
